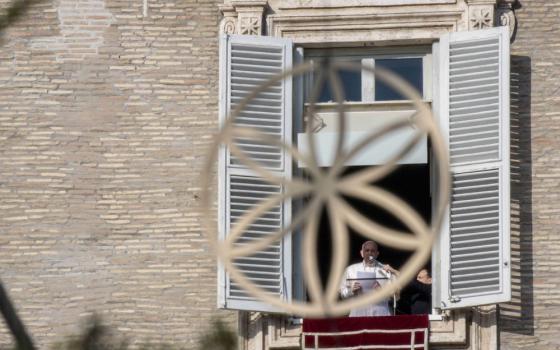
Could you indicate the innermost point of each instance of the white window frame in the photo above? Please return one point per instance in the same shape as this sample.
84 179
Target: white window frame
438 94
368 57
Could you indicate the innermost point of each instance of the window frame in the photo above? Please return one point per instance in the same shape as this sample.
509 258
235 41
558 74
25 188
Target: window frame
430 86
368 56
439 105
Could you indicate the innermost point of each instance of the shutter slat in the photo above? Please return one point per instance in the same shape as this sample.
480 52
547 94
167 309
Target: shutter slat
479 262
255 54
479 95
474 82
254 120
470 114
480 76
476 282
479 87
472 247
481 209
262 115
472 241
472 43
488 267
247 59
480 213
475 121
474 107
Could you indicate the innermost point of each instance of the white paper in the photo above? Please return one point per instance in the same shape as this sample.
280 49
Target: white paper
367 280
371 280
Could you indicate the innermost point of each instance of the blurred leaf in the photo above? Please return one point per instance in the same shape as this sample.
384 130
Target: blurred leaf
220 337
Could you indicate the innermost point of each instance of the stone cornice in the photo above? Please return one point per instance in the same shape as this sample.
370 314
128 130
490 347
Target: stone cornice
243 17
319 4
481 2
248 3
378 28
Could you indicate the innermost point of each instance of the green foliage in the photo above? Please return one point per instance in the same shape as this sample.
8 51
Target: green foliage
16 10
220 337
95 336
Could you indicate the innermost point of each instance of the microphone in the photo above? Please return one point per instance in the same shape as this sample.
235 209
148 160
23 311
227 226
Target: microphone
370 258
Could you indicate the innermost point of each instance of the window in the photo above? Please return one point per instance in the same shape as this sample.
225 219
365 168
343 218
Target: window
412 64
373 106
471 100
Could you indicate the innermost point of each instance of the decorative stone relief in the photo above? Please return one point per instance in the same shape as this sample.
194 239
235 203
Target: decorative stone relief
505 16
228 25
250 25
480 18
243 17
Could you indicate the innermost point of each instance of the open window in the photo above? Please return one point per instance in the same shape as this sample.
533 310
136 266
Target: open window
471 100
371 105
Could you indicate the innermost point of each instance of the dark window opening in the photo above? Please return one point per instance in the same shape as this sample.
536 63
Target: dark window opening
351 84
409 69
408 182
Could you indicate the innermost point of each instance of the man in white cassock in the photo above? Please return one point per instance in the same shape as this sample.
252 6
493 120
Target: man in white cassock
363 277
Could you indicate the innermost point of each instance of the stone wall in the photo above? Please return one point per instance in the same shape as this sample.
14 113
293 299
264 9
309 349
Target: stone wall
104 117
532 320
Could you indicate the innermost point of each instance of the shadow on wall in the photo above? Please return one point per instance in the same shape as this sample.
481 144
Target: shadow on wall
517 316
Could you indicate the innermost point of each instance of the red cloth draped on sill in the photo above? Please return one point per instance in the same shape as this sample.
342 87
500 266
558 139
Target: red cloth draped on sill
399 326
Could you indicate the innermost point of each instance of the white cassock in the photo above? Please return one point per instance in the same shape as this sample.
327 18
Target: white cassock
352 271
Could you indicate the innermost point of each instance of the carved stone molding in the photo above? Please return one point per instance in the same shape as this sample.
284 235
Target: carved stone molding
505 15
243 17
481 2
451 330
481 17
483 332
228 25
282 334
249 24
352 28
302 4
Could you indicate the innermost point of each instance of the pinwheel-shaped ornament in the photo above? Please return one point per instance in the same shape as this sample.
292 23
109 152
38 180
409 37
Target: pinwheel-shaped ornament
327 188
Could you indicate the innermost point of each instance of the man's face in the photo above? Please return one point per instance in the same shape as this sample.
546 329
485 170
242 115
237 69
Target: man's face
423 276
369 249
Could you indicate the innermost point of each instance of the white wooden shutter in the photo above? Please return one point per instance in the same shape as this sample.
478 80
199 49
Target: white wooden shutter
474 114
246 62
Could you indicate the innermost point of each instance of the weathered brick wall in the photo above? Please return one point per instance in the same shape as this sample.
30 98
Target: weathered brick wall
532 320
104 118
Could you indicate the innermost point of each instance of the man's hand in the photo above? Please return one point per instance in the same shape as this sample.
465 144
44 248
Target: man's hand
356 287
390 269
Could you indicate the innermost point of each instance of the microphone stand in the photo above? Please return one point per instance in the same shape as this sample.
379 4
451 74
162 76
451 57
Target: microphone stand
371 259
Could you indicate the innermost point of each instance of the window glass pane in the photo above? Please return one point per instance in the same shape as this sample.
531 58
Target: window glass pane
351 86
410 69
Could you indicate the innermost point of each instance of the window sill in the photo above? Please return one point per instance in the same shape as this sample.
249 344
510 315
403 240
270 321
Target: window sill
284 333
435 317
299 321
357 106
